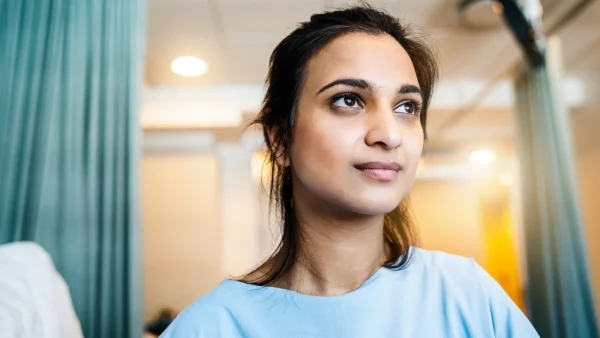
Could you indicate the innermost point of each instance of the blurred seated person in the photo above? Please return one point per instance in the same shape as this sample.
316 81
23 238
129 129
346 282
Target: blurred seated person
162 321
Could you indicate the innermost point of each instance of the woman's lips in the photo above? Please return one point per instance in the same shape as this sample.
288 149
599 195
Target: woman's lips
381 171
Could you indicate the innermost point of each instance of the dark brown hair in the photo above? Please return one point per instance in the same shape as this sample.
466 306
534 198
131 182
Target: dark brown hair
288 66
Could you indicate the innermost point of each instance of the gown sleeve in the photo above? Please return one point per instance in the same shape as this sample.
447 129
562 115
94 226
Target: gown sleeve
199 320
509 321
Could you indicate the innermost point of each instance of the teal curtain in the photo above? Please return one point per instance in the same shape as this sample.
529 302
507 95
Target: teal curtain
560 300
71 73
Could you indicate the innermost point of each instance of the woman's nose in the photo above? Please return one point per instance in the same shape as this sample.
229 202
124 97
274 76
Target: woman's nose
384 130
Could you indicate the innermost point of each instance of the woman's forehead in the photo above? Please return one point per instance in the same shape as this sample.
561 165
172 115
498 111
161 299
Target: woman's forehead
379 59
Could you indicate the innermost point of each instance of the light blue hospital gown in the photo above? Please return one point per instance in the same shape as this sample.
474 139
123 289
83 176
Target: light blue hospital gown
436 295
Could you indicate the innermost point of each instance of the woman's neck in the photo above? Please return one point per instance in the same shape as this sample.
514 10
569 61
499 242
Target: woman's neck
336 254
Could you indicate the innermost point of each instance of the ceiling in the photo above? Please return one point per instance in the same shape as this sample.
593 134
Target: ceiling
581 41
236 38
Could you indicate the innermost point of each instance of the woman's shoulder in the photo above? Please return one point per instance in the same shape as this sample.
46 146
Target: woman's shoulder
201 318
437 258
462 281
453 272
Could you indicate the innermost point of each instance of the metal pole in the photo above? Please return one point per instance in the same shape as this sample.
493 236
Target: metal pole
534 11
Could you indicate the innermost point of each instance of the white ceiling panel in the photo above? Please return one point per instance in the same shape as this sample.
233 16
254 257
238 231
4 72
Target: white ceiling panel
269 2
581 47
261 17
249 56
472 54
154 4
417 12
188 17
581 41
590 17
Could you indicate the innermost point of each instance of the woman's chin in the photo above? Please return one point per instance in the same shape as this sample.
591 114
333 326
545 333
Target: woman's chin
373 208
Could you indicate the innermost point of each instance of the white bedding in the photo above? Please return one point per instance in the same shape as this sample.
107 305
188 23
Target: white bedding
34 298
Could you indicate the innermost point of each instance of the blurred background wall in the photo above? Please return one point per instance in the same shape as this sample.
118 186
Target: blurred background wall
181 229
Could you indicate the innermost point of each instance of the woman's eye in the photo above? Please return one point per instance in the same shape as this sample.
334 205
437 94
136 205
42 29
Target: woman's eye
347 101
407 108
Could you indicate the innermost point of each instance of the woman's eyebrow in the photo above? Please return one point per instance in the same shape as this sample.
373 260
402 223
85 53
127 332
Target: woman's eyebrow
358 83
410 89
364 84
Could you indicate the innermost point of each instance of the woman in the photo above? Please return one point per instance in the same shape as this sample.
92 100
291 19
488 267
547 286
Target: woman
344 121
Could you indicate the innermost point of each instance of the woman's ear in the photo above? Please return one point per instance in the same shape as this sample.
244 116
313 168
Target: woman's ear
278 147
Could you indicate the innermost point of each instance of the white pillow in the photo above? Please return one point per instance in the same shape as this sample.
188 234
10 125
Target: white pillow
34 298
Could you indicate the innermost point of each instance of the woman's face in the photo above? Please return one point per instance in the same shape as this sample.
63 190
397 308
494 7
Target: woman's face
358 137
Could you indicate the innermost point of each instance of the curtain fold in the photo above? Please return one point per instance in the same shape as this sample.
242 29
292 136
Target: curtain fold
560 299
69 152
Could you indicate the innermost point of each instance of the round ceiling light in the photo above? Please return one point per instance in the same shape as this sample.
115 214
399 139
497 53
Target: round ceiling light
189 66
485 14
482 157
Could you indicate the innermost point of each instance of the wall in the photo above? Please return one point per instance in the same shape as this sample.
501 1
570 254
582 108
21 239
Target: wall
239 210
181 233
471 218
205 219
447 217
